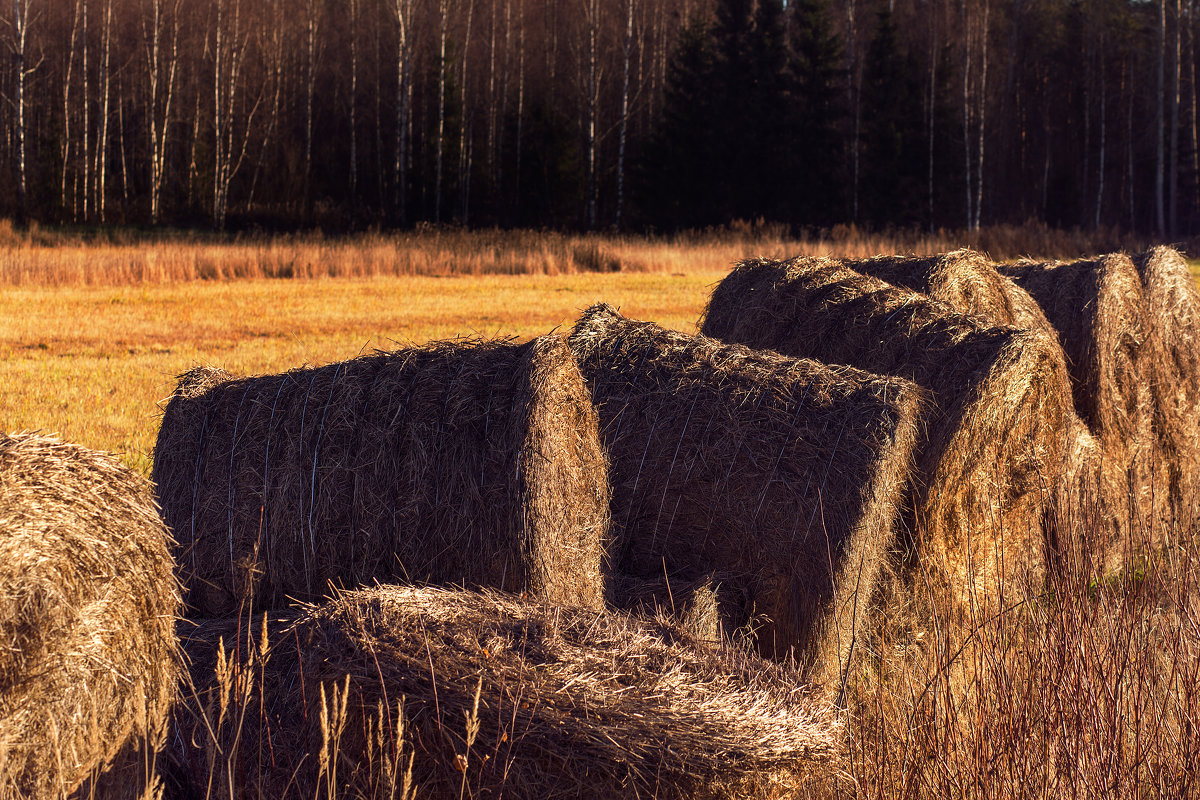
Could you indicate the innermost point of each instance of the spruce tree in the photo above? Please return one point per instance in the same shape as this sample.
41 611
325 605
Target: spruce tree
894 156
818 118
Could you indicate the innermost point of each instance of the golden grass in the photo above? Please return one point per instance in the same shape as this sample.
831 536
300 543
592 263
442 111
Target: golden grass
122 257
92 363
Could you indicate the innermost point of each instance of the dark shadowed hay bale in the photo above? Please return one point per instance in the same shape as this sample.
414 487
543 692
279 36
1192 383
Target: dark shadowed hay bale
784 474
1173 306
89 662
570 703
474 463
1098 309
995 436
1094 486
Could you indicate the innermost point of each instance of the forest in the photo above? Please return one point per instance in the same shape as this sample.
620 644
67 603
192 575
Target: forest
638 115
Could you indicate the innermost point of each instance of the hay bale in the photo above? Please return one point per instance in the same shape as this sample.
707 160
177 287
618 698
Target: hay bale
966 281
1098 309
784 474
995 436
464 462
1092 515
89 662
569 703
1173 313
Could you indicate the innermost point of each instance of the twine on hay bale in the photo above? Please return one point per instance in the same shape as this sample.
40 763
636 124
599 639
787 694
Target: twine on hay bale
568 703
784 474
1092 502
993 449
464 462
1173 311
89 662
1098 309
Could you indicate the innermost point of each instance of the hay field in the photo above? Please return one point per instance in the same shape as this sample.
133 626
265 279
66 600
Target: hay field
92 363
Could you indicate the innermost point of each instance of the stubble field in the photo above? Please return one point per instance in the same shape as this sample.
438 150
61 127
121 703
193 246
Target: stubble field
1090 689
92 363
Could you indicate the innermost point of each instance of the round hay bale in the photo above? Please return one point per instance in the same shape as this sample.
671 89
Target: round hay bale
1173 311
487 695
90 660
1081 530
993 449
966 281
784 474
1098 309
465 462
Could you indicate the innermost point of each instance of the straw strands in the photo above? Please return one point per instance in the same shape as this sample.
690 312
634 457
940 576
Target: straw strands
464 462
465 694
1094 483
784 474
1173 304
996 434
1099 311
89 662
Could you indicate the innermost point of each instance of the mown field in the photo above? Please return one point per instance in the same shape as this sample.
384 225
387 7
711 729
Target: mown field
92 364
1089 689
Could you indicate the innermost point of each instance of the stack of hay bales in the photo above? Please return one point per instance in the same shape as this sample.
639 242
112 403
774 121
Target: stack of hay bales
776 481
89 662
1173 312
995 442
470 463
488 695
1091 514
1098 309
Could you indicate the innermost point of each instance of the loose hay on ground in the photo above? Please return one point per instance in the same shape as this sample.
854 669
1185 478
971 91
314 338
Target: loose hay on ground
467 462
784 474
1173 311
568 703
969 283
1098 309
89 662
996 431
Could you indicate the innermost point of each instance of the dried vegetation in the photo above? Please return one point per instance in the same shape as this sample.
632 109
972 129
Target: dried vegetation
89 661
471 463
462 694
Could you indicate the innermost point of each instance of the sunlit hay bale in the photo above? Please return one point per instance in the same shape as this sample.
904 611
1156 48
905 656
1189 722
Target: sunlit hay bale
969 283
993 449
89 662
465 462
963 279
785 474
1173 306
1098 308
489 695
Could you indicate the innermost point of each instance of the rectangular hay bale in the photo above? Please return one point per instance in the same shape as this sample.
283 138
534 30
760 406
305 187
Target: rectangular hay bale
466 462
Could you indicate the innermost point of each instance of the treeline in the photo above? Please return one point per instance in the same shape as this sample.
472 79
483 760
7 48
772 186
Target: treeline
594 114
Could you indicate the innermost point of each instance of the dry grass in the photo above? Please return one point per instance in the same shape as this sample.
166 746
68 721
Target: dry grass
455 694
458 462
118 258
87 602
93 363
1088 690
